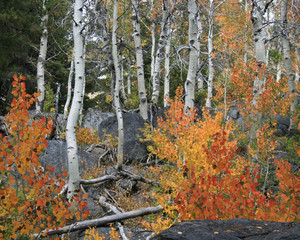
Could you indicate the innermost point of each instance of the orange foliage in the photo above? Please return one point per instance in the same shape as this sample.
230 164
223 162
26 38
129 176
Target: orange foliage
30 200
86 136
206 179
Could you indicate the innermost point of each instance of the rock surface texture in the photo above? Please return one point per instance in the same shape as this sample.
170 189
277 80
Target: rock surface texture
134 150
94 117
233 229
56 155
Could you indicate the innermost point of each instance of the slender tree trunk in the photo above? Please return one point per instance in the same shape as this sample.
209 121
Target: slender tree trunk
74 177
194 54
103 27
167 62
260 55
200 79
118 83
122 87
160 53
139 60
57 98
69 95
210 57
297 76
129 84
83 88
246 47
279 72
41 61
287 56
153 26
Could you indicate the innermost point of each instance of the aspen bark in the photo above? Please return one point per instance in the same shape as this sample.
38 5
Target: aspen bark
74 176
200 80
160 53
118 83
129 84
139 60
193 57
153 26
287 56
210 57
167 62
83 87
69 94
41 61
260 55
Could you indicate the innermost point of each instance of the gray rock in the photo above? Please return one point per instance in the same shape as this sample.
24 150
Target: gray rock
285 121
131 233
233 229
94 117
94 209
56 155
127 185
236 116
2 127
134 150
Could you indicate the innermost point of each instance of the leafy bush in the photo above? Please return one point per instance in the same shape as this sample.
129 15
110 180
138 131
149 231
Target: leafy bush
207 179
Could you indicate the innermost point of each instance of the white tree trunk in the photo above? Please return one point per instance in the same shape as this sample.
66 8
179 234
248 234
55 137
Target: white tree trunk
41 61
279 72
69 95
287 56
210 57
117 66
260 55
167 61
74 177
297 77
160 53
153 25
122 87
57 98
83 88
194 54
246 47
200 79
139 60
129 84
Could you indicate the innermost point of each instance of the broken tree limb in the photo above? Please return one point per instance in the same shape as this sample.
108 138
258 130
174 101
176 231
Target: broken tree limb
135 177
101 221
98 180
115 210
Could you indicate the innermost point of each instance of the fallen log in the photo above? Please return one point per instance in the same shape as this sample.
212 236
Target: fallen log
100 221
103 203
98 180
135 177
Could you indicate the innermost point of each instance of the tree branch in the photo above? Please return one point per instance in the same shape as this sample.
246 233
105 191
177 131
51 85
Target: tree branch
101 221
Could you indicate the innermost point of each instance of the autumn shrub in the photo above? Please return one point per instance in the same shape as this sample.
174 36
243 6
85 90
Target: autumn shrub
30 200
86 136
206 179
92 234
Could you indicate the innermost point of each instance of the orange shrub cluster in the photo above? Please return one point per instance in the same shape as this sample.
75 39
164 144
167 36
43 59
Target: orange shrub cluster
206 179
29 197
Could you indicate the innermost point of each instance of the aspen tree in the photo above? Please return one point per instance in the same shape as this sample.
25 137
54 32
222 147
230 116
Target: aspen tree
194 54
74 176
160 52
287 55
139 60
41 60
118 83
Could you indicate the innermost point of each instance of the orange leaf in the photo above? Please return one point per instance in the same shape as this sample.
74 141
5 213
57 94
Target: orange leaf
298 150
85 195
